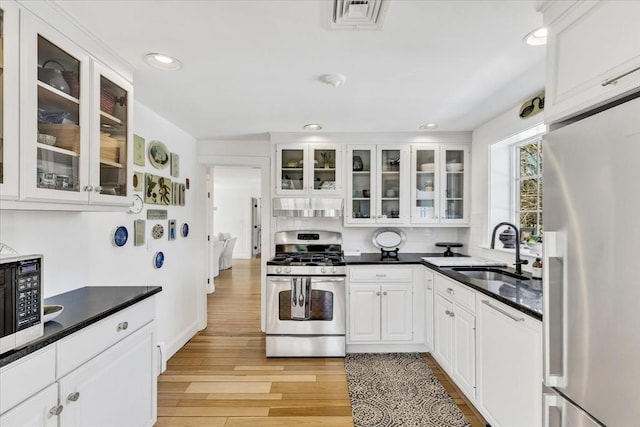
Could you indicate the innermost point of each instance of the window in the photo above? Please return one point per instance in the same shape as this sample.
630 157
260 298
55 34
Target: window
527 179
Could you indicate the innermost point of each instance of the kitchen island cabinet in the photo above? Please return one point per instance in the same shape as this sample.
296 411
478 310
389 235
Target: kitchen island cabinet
102 348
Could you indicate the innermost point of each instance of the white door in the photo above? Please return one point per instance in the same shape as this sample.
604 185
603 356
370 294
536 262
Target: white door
397 316
464 351
364 312
428 310
443 332
38 411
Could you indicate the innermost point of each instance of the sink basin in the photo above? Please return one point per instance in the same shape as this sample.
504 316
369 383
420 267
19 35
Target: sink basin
490 274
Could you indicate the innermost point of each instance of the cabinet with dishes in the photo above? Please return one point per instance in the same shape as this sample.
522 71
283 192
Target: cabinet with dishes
439 184
74 124
308 169
9 96
376 184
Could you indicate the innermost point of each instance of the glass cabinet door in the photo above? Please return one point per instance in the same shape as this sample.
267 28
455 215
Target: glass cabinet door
389 188
361 184
324 165
455 183
110 178
291 167
425 183
58 113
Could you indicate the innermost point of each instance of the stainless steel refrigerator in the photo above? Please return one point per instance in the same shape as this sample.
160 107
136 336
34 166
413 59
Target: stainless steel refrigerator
592 269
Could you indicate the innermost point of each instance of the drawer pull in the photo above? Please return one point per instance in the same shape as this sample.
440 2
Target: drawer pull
381 275
123 326
56 410
509 315
450 291
614 80
449 313
378 294
73 397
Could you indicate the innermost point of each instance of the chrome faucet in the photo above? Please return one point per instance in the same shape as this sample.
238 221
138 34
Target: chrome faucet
519 261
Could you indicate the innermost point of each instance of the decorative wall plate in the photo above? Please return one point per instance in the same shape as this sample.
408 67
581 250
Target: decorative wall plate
158 155
158 259
185 229
120 236
136 204
157 231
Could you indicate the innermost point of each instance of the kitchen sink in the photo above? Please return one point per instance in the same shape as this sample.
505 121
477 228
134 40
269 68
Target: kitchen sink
489 274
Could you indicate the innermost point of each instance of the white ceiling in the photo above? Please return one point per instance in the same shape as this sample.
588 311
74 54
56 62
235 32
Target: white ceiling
253 66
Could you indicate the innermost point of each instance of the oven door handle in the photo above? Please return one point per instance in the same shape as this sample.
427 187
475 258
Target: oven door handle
327 279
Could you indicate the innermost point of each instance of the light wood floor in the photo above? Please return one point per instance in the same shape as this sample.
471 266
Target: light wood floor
222 377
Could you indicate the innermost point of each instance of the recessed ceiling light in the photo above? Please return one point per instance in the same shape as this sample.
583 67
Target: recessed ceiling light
162 61
429 126
537 37
312 126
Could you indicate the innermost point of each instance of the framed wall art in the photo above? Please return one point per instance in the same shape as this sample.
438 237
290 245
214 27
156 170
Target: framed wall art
175 165
138 232
138 181
157 189
172 229
138 150
158 155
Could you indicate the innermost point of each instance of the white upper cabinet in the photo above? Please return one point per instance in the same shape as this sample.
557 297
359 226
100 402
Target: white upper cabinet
308 169
9 99
377 184
593 54
439 184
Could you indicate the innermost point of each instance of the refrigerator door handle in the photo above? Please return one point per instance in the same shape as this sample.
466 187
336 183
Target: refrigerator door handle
551 418
554 281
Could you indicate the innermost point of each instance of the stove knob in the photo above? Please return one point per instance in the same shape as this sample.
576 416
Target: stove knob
278 269
287 269
323 270
333 269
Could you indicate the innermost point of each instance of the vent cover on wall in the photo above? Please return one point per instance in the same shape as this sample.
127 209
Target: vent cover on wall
357 14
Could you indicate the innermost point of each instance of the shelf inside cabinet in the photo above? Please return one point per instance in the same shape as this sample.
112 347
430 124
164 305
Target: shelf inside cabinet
110 163
455 172
52 99
391 172
292 169
390 198
108 119
325 169
57 150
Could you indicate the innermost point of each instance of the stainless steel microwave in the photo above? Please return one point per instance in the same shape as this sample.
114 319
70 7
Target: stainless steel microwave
20 300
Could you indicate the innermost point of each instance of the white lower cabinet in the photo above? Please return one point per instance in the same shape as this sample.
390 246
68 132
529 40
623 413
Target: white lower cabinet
37 411
103 378
454 334
509 389
428 309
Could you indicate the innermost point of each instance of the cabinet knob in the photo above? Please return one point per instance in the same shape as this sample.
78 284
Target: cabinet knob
384 293
449 313
450 291
88 188
123 326
97 189
73 397
378 294
56 410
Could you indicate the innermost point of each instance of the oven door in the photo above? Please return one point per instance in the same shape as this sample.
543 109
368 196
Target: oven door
306 305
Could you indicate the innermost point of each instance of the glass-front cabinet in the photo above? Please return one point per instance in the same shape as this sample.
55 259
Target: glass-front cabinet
9 101
75 122
439 184
376 185
308 169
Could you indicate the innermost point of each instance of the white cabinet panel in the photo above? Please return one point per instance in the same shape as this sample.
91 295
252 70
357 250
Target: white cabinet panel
37 411
308 169
364 312
397 316
443 332
429 310
464 351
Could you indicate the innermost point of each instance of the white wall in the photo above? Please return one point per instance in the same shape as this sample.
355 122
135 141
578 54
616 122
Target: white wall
498 129
233 188
78 249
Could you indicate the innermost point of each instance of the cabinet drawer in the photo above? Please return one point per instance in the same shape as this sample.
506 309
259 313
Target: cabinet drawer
26 376
381 274
76 349
460 294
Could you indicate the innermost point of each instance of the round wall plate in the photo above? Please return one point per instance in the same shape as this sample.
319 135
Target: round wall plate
136 204
185 229
157 231
158 259
158 154
120 236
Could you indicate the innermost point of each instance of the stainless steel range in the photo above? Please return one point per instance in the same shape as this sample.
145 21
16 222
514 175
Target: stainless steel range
306 296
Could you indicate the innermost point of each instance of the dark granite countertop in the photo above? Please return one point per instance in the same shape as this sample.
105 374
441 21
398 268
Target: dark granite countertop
526 297
82 307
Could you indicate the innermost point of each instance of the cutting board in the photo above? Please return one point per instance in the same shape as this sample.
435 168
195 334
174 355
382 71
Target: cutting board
462 262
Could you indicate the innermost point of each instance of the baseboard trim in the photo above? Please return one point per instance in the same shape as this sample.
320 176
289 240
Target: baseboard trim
182 339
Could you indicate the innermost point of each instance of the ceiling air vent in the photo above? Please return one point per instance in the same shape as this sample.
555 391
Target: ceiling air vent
357 14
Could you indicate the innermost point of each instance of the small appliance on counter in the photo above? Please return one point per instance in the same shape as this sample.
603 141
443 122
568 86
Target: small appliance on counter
448 245
20 300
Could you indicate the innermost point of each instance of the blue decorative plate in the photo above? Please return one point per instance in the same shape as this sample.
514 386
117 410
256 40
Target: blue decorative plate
120 236
185 229
158 260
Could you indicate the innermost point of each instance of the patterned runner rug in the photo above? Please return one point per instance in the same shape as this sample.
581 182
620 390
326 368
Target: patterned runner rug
398 389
